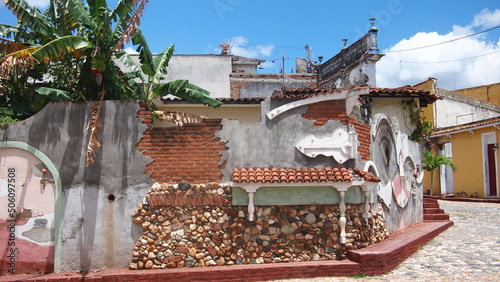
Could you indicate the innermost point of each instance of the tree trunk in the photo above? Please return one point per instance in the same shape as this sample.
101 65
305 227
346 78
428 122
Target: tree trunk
432 182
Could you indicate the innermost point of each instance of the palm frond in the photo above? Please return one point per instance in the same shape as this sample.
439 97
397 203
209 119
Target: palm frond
22 59
7 30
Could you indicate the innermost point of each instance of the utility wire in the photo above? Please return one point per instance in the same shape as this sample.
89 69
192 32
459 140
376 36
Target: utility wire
444 42
449 61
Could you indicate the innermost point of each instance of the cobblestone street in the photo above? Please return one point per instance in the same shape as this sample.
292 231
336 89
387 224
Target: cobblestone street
467 251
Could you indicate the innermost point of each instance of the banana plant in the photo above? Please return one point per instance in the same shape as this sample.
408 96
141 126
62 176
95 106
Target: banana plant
152 71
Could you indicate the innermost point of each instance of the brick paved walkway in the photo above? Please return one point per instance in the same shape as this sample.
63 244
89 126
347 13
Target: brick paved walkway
467 251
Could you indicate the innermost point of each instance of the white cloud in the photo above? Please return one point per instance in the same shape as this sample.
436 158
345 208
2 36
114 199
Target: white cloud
467 62
38 3
487 18
241 47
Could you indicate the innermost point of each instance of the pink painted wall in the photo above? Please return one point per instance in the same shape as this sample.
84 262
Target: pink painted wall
27 194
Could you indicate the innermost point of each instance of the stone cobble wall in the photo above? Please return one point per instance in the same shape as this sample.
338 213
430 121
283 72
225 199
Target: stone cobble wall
188 225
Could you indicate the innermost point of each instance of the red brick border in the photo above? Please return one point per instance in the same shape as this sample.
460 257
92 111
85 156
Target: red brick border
377 259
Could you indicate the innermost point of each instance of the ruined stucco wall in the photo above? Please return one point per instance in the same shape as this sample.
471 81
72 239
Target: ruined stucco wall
96 201
271 143
188 153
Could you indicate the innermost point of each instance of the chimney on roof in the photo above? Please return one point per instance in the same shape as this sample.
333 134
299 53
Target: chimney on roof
225 48
345 43
300 65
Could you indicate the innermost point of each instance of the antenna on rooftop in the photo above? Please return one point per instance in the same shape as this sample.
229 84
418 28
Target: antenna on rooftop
309 59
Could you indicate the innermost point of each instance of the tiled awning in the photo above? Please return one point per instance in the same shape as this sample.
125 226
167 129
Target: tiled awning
300 175
341 179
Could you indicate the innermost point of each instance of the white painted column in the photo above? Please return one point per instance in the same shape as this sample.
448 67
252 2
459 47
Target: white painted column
342 219
366 205
251 189
342 188
251 207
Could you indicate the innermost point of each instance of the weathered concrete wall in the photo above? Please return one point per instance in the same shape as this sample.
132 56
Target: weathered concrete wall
96 201
207 71
210 72
264 84
455 109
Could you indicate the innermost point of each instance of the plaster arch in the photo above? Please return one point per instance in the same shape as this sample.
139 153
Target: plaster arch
56 181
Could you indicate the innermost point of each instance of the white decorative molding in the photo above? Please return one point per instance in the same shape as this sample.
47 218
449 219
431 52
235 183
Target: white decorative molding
351 97
341 146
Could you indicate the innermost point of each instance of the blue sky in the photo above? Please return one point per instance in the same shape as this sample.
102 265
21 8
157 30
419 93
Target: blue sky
270 30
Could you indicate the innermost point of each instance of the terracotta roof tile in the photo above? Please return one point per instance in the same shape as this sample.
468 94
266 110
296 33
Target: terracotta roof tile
465 127
251 100
299 175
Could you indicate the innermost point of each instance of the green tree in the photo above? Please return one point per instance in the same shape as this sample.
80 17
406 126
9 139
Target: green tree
74 44
431 162
65 24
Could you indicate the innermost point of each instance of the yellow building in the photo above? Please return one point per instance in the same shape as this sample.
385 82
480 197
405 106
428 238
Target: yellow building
488 93
475 152
466 129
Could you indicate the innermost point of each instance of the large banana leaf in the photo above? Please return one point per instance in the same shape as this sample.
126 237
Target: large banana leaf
54 94
97 8
183 89
7 30
79 15
31 17
57 48
160 64
145 55
7 47
133 71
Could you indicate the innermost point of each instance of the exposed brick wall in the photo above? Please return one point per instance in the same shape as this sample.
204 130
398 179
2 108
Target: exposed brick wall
188 153
322 112
240 80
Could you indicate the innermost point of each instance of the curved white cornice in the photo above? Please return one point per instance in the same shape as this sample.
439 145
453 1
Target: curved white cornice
351 97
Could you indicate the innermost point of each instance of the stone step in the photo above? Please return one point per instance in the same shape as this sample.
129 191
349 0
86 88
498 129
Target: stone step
430 200
431 206
433 211
436 217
